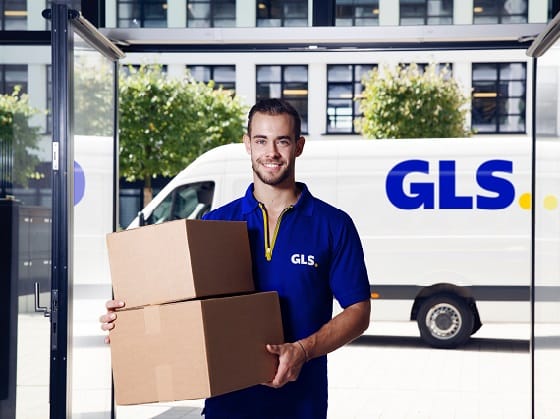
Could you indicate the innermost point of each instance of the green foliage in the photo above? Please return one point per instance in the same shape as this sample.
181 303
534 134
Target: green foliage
18 140
93 97
165 123
407 103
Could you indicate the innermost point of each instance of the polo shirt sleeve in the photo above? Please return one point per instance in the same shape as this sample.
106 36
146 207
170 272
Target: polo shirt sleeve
348 275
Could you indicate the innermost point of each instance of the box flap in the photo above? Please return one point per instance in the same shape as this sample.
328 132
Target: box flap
221 256
237 356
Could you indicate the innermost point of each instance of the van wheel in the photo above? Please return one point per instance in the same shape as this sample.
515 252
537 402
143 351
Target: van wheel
445 321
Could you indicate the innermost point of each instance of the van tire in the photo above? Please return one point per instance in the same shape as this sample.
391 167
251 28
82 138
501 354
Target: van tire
445 321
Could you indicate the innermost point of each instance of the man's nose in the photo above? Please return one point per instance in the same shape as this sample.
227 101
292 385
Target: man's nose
272 148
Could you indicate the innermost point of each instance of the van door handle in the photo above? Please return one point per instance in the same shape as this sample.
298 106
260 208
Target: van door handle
38 309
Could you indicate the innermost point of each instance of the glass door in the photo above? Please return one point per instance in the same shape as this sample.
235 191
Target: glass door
546 340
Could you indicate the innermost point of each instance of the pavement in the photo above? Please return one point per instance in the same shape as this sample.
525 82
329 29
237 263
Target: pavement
388 373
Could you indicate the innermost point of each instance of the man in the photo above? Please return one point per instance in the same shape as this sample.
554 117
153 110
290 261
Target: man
307 251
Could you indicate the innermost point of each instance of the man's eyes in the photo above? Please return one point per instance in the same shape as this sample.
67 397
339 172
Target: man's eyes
281 142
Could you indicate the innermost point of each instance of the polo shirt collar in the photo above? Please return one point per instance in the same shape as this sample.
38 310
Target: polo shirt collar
304 203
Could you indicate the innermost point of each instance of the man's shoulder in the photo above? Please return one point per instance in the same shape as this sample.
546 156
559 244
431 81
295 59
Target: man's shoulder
230 211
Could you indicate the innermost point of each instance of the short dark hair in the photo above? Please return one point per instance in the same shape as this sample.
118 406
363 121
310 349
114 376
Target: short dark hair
276 107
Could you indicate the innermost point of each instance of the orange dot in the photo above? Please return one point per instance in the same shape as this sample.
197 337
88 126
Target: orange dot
525 201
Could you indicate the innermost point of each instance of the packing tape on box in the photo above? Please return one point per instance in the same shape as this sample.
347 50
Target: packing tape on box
164 382
152 321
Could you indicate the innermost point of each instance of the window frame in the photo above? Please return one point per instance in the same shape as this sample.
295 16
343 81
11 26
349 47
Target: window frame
425 16
227 85
214 6
497 81
354 84
268 7
143 6
284 86
499 15
353 7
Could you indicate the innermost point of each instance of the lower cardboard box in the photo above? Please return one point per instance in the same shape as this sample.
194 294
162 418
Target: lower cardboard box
194 349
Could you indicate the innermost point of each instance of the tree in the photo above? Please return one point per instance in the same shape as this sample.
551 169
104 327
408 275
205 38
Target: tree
165 123
407 103
18 141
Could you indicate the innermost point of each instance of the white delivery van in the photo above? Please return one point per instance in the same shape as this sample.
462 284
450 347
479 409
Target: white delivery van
445 223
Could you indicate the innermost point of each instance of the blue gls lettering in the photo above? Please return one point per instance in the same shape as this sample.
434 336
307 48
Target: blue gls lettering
447 195
421 194
503 187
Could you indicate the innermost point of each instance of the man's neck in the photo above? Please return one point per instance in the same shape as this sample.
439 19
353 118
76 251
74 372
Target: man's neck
277 197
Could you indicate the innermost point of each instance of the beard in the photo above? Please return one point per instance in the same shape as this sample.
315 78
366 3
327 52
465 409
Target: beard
271 179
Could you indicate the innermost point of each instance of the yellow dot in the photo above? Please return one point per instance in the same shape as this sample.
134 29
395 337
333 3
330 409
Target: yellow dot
550 202
525 201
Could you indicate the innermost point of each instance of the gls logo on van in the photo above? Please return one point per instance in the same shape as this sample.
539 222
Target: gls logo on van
298 259
422 194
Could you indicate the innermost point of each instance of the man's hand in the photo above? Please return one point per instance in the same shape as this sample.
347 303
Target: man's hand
291 358
108 319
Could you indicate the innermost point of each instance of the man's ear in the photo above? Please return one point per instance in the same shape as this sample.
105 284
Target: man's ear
247 142
300 142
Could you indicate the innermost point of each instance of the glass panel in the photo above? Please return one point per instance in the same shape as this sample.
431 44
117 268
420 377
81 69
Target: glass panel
25 231
269 73
546 373
339 73
94 123
295 73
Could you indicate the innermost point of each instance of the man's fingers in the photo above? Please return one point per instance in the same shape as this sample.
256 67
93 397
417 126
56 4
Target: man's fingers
107 318
273 349
113 304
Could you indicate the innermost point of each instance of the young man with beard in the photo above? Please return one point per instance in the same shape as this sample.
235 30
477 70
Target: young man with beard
307 251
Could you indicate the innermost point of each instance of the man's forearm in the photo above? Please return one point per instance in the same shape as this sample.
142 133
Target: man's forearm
343 328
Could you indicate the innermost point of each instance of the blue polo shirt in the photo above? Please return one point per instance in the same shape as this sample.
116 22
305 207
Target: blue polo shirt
316 255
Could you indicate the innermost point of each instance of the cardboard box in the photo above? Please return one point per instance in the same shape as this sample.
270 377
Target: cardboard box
194 349
180 260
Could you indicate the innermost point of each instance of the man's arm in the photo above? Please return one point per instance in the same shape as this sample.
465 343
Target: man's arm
341 329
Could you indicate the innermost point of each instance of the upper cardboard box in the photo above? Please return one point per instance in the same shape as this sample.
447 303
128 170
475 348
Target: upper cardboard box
180 260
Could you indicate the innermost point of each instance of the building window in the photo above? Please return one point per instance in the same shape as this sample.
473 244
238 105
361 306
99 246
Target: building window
13 15
12 75
141 13
344 86
211 13
282 13
499 94
426 12
499 11
357 13
285 82
223 75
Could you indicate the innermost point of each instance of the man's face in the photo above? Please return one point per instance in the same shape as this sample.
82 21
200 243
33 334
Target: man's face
273 148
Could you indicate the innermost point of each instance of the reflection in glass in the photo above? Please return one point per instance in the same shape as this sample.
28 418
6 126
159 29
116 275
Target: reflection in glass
344 86
25 226
499 11
499 94
211 13
287 82
282 13
426 12
357 13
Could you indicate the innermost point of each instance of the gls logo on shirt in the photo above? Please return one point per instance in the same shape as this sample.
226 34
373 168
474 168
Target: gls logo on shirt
299 259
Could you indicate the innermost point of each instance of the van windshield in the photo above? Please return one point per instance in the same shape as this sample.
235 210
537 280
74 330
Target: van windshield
190 201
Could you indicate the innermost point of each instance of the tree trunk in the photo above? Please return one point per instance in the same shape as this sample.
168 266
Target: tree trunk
148 193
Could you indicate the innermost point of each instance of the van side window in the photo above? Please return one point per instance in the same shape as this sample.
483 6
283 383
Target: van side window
190 201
